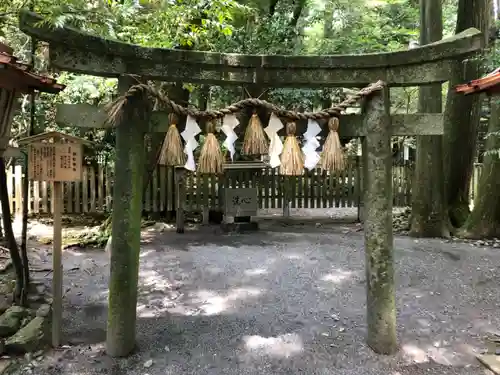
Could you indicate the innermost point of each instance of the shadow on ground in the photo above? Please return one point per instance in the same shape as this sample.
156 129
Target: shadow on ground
282 303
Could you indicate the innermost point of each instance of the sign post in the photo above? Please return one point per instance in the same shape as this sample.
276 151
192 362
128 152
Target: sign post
55 157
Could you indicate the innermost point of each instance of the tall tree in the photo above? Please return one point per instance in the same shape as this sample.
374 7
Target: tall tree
462 115
20 292
484 221
429 215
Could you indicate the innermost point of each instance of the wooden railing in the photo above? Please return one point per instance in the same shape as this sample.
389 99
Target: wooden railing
312 190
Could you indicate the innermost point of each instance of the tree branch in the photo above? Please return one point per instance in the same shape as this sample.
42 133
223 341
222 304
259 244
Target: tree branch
297 13
272 7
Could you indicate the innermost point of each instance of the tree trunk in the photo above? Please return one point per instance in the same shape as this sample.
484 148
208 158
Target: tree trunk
1 231
328 16
484 221
19 291
24 236
429 214
461 117
25 192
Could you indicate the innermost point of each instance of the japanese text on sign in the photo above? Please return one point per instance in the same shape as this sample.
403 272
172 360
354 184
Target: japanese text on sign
240 201
55 162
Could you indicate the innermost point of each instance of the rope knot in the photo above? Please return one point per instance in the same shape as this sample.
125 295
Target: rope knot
291 128
333 124
210 127
172 119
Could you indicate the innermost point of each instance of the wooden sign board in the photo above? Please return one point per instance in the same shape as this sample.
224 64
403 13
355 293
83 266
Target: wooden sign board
55 161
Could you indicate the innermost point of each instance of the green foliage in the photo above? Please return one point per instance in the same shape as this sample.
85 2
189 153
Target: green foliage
359 27
151 23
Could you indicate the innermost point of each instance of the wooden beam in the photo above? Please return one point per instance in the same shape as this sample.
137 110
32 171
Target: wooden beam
88 116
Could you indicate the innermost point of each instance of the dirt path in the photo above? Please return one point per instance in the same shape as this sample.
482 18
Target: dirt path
280 303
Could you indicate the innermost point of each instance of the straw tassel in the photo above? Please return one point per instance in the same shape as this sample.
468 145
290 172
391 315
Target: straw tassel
292 158
255 141
332 157
172 151
211 158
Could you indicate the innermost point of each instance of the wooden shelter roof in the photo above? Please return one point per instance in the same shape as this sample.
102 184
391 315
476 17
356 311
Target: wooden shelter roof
489 83
15 75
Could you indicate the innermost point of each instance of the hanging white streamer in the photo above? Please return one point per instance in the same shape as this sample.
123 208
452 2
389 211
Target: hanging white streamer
190 132
229 122
275 150
311 144
276 146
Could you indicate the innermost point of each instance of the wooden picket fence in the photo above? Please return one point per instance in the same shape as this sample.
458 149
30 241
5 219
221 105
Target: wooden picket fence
314 189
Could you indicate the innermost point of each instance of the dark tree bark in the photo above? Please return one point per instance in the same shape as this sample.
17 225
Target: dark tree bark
20 291
25 190
272 7
462 115
1 231
24 235
328 18
484 221
429 214
297 12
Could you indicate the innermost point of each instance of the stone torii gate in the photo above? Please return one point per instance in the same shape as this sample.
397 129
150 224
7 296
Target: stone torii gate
73 51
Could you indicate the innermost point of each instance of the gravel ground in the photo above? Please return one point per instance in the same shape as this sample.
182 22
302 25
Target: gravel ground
281 303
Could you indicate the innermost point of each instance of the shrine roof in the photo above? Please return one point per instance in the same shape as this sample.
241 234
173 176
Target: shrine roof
15 75
489 83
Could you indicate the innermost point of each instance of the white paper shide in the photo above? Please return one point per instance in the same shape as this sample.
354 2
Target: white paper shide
190 132
311 144
229 122
276 146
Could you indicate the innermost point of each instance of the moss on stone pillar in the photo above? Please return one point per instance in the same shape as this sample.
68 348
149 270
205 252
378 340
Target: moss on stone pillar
126 230
381 306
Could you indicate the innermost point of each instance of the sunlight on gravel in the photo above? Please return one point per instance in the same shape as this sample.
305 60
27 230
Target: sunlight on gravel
283 346
282 302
